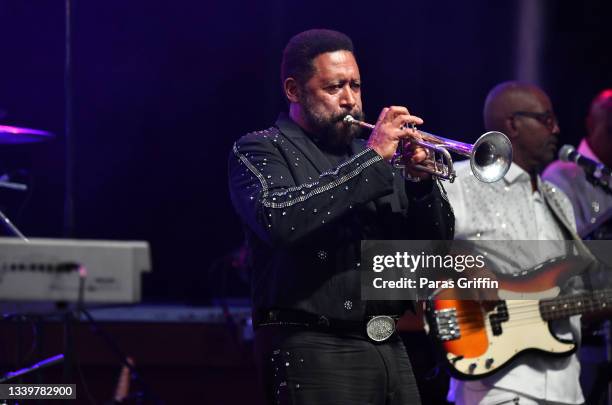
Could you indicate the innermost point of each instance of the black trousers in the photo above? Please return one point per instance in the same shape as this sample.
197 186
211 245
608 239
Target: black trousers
301 366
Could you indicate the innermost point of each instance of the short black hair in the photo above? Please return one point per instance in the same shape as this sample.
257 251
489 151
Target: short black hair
305 46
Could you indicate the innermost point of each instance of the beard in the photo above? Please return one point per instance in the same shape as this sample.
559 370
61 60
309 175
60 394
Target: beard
329 128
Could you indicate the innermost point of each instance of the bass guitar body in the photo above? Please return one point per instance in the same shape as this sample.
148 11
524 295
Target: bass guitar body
479 338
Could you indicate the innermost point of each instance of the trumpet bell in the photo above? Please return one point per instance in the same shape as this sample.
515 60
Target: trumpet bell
491 157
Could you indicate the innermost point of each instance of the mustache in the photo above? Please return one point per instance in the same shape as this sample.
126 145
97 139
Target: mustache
358 115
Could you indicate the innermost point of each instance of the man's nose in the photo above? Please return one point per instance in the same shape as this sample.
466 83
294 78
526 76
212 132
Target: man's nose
347 98
556 130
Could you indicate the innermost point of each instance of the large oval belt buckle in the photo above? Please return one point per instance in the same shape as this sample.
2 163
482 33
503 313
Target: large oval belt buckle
380 328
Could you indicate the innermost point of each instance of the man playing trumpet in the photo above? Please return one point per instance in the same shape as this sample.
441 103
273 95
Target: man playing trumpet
308 192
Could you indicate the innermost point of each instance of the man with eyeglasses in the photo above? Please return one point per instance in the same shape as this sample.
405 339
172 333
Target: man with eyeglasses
519 207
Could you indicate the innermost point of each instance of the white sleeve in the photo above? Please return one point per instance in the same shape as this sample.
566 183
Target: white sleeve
456 197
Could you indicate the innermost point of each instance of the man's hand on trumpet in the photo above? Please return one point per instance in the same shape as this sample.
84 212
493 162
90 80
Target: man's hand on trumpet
395 123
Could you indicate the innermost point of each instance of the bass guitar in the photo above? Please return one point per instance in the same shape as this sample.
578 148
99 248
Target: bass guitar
479 338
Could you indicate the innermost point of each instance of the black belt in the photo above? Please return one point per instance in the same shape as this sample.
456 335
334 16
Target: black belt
377 328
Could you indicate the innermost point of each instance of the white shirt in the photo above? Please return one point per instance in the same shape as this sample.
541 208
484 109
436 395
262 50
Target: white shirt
509 210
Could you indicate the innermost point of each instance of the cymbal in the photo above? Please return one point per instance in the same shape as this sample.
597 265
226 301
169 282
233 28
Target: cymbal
13 135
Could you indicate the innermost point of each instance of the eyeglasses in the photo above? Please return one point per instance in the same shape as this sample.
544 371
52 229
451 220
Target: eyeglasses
547 118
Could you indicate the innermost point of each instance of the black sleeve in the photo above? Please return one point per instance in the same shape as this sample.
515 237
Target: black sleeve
429 210
282 212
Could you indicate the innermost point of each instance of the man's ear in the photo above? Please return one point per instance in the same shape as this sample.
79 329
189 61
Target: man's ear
292 90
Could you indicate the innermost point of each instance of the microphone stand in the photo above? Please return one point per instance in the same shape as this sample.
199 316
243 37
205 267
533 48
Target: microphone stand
11 375
80 312
600 180
7 222
14 230
12 185
146 393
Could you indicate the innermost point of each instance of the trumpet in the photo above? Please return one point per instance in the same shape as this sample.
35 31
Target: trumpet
490 157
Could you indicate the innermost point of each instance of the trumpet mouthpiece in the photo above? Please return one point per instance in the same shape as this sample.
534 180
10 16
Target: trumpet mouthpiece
349 119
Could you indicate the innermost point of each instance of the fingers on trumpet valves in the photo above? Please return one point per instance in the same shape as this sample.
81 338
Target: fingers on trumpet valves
409 130
407 122
400 116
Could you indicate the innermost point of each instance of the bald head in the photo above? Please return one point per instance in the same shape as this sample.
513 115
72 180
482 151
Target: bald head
602 103
507 98
524 113
599 126
600 114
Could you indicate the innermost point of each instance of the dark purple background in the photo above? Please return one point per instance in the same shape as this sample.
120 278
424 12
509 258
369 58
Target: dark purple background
162 89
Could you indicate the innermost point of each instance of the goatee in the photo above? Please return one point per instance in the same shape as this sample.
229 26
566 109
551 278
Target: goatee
332 132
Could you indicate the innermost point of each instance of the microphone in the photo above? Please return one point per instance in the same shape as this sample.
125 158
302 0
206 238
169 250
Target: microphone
568 153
